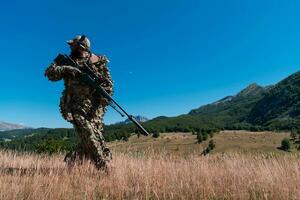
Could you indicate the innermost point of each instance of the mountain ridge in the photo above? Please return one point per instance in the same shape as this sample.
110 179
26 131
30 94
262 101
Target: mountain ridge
281 103
6 126
245 110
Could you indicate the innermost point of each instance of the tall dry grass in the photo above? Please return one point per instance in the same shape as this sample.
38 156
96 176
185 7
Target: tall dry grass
229 176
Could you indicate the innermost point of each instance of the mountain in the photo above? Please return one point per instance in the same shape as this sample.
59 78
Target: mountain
255 108
232 108
4 126
280 106
248 95
139 118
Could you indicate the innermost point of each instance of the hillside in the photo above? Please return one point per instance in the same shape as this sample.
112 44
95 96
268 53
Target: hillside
39 140
12 134
280 106
245 98
232 109
254 108
5 126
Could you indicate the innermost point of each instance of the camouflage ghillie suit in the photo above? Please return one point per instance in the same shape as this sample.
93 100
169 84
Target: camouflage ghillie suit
84 108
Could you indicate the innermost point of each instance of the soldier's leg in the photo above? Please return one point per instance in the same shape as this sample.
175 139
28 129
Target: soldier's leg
98 139
92 141
77 155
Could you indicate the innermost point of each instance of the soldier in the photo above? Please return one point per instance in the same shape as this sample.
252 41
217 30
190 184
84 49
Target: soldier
81 105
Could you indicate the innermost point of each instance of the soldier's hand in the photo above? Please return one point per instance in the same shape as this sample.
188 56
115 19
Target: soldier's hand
48 70
72 71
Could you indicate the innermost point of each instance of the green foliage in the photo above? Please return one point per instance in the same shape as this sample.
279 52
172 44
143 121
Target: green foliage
43 141
199 137
280 104
155 134
209 148
51 146
19 133
206 151
293 134
285 144
211 144
205 136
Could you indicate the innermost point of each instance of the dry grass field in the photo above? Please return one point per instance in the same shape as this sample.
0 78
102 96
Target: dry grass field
156 174
186 143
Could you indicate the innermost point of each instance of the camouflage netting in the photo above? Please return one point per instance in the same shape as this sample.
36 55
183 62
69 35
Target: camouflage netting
84 108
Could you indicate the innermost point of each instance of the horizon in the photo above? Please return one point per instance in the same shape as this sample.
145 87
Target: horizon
166 58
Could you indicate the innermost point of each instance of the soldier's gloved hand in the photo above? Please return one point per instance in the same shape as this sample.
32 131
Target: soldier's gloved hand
72 71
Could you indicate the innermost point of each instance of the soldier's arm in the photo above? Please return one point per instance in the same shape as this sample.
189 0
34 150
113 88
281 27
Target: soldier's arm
56 72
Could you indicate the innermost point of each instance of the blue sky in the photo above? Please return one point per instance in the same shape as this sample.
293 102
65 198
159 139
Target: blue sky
167 57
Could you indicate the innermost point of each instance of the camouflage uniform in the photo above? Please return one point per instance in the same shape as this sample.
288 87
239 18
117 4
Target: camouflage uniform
84 108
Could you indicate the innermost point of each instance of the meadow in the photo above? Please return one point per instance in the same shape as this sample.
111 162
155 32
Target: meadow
185 144
153 174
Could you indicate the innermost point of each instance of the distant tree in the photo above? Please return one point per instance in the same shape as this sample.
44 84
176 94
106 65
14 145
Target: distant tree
298 133
162 130
155 134
199 137
206 151
186 129
293 134
125 138
205 136
254 128
211 144
285 144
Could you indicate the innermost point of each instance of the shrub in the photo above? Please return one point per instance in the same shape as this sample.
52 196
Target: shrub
285 144
211 144
293 135
199 137
205 136
155 134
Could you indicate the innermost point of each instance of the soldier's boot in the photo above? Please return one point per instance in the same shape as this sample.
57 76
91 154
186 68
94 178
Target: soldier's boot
103 162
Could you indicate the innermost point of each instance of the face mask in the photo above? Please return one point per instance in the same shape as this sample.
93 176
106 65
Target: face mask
76 53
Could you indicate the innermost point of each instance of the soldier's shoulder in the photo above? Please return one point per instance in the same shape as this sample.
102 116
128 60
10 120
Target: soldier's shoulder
98 59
